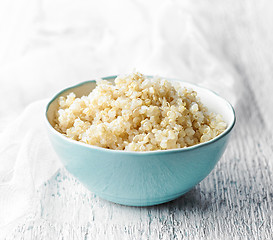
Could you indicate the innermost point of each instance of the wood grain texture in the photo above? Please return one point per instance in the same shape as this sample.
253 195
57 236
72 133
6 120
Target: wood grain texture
235 201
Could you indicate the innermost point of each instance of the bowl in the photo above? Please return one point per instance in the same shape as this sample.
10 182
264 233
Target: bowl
140 178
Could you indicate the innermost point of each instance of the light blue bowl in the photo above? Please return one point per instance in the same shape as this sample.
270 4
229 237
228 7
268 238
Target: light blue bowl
140 178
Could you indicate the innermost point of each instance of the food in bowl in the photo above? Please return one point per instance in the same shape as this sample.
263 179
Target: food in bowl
137 113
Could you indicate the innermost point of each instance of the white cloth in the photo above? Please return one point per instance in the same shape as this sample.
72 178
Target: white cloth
27 160
56 46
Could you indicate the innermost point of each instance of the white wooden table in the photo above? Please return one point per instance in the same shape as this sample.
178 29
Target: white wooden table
235 201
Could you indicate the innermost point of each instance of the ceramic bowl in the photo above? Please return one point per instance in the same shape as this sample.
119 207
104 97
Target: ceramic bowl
140 178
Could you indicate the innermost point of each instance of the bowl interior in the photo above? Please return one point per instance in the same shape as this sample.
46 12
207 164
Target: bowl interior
211 100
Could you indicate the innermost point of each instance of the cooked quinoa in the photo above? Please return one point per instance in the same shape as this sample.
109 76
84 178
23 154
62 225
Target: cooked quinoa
137 113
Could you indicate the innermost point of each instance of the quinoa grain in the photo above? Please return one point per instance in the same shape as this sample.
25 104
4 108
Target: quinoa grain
137 114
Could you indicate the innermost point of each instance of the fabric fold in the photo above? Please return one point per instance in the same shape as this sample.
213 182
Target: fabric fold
27 160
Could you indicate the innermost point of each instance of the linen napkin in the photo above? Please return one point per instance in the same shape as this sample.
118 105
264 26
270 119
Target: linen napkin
26 161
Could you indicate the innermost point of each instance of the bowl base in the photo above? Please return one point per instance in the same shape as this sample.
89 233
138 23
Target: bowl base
142 202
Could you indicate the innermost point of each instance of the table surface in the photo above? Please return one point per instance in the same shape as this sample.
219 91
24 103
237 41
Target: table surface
234 201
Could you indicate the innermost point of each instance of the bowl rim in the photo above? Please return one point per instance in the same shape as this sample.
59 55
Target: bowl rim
191 148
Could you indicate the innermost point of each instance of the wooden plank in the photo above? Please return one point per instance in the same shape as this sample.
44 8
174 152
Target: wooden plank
234 201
